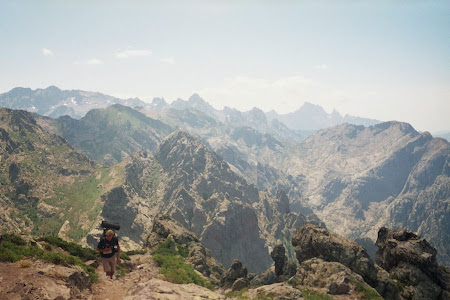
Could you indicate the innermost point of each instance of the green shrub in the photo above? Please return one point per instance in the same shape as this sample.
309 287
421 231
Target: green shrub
74 249
14 238
183 251
8 255
124 256
366 292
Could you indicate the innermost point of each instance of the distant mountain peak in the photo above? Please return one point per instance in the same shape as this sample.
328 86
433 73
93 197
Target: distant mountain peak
53 88
196 97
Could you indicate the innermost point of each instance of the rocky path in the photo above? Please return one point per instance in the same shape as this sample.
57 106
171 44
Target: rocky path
108 289
143 282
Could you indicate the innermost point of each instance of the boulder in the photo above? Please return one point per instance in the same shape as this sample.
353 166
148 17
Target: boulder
411 261
338 288
239 284
279 291
268 277
163 226
317 273
312 241
237 270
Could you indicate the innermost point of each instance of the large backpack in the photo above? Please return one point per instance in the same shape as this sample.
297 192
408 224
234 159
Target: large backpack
113 226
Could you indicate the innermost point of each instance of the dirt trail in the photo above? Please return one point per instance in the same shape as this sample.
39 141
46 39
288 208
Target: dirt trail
117 288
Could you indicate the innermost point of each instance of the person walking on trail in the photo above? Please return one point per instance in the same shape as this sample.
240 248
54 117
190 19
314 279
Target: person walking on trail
108 247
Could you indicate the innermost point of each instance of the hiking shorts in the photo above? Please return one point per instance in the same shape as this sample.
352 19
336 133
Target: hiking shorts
109 264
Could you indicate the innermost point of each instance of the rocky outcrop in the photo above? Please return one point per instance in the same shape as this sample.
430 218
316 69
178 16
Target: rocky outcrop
165 227
284 268
411 261
282 291
312 241
334 277
236 271
323 254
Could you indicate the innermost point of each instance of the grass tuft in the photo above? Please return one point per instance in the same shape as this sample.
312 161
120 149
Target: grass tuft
173 266
26 263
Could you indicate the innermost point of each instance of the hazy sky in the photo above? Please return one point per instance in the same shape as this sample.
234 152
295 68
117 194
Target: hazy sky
388 60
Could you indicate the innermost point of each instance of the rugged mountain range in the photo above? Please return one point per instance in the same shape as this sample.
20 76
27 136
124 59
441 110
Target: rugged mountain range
54 102
188 181
69 194
354 178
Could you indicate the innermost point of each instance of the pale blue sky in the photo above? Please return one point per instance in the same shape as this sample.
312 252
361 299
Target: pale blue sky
380 59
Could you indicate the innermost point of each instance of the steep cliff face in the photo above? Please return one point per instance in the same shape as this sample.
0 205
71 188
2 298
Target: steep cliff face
208 198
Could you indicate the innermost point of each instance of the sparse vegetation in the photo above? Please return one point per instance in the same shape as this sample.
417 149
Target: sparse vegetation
125 255
26 263
366 292
314 295
171 260
77 201
72 248
15 249
237 294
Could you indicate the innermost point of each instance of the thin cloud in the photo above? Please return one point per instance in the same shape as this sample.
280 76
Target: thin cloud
131 53
47 52
321 67
168 60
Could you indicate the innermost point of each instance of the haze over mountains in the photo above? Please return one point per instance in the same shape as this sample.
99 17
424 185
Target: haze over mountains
54 103
245 176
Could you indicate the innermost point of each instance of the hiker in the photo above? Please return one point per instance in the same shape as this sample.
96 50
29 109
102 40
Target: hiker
107 247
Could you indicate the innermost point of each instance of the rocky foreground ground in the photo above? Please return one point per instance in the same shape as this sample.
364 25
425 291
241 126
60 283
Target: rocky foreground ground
328 266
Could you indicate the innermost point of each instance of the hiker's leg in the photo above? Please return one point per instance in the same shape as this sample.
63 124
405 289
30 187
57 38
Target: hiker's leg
113 265
107 266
